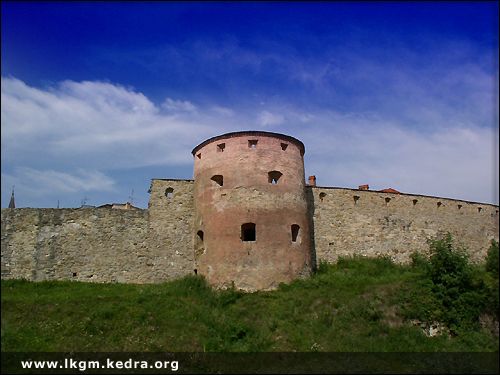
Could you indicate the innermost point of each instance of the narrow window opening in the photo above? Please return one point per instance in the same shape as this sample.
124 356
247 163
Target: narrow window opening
439 204
199 248
387 200
221 147
248 232
284 146
195 271
74 274
218 179
356 198
415 202
295 232
169 193
459 206
479 209
198 155
252 143
321 196
274 176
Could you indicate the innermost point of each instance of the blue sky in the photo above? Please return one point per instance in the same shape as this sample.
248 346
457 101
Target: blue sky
98 98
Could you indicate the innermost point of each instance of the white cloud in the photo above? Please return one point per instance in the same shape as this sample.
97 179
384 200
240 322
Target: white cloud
95 125
267 118
33 182
178 105
92 128
223 111
348 151
68 137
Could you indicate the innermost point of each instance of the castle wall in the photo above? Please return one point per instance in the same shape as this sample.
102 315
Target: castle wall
102 244
375 224
155 245
170 229
88 244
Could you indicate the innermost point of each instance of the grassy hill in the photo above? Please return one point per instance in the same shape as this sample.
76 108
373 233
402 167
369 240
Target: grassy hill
356 305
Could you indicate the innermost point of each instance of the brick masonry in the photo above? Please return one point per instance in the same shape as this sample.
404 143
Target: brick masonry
248 196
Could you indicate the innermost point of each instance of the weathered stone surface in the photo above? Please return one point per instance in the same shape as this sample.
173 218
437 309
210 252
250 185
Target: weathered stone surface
170 229
375 224
102 244
88 244
162 242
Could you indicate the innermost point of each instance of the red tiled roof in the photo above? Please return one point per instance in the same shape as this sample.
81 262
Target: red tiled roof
390 190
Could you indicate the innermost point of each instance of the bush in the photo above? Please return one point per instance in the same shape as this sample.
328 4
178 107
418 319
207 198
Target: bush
449 267
452 290
323 267
492 283
492 265
419 261
493 303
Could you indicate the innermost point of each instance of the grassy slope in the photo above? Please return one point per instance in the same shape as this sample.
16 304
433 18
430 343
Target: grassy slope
356 305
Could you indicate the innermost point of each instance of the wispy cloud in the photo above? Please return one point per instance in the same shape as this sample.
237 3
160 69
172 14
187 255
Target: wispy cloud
41 182
267 118
71 138
224 111
348 150
178 105
95 125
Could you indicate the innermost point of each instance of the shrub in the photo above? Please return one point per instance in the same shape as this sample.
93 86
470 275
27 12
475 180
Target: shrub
323 267
492 265
492 282
419 261
449 267
451 290
494 299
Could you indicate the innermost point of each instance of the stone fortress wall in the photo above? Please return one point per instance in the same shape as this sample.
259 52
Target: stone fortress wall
88 244
102 244
371 223
155 245
174 236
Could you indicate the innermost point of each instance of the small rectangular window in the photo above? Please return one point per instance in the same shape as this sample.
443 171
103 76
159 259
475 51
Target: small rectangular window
252 143
221 147
248 232
284 146
218 180
295 232
169 193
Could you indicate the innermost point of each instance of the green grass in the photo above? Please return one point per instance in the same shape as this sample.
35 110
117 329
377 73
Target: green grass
355 305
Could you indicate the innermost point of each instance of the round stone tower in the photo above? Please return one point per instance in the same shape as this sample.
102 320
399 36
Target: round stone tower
251 224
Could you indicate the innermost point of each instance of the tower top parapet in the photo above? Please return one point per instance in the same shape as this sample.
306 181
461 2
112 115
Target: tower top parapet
251 133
